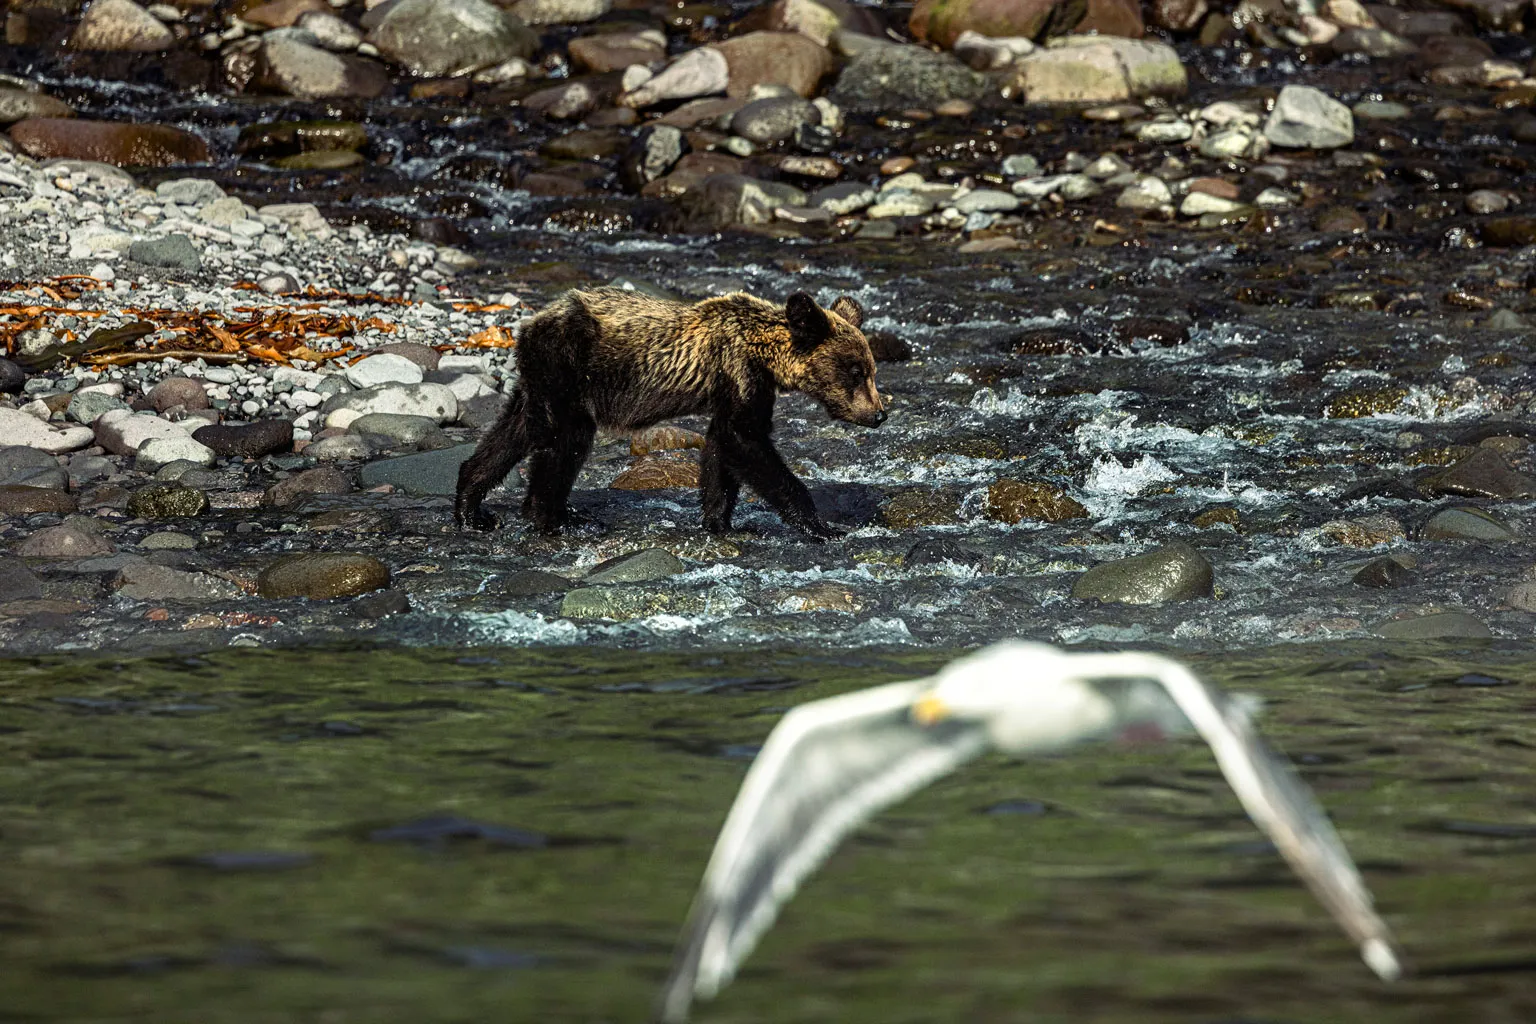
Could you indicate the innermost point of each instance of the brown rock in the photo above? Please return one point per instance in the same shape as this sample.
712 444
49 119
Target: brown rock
658 472
1340 219
941 21
663 439
183 391
121 26
424 356
71 539
282 13
124 145
322 575
1009 501
320 480
822 597
920 506
1179 15
774 58
1364 532
19 500
696 112
615 51
1484 473
1219 187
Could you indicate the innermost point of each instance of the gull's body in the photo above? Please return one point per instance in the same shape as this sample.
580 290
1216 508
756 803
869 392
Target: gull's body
832 764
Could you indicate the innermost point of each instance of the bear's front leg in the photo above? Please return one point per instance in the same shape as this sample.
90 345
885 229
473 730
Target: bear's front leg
718 486
752 458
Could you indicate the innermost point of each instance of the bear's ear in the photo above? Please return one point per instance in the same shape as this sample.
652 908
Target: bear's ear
849 310
808 323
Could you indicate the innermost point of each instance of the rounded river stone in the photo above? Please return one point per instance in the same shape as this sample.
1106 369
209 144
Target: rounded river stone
323 574
1174 572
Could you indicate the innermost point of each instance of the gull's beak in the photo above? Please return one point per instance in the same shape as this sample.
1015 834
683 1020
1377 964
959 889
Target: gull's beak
929 709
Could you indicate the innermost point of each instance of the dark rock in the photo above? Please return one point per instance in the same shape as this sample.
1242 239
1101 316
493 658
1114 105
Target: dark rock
250 440
1163 333
165 501
1052 341
322 575
122 144
1174 572
12 378
939 550
651 564
423 474
1385 572
651 154
145 581
530 583
920 506
886 347
774 119
380 604
17 582
1466 524
1512 232
19 500
74 538
22 466
1435 626
175 252
183 391
894 77
1009 501
1484 473
320 480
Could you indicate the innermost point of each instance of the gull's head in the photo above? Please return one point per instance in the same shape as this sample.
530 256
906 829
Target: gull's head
1031 698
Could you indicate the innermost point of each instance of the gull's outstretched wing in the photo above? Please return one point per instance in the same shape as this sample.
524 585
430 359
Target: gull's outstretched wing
1278 802
828 766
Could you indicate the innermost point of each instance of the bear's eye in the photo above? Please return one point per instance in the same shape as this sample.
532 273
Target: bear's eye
855 372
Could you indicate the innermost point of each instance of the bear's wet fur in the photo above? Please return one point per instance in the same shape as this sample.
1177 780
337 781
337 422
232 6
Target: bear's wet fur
623 360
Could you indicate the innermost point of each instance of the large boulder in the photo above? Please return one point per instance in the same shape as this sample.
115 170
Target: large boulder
774 58
443 38
942 21
1098 69
122 145
883 77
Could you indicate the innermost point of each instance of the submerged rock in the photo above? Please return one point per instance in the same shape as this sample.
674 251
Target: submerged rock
1466 524
651 564
1009 501
1484 473
1174 572
1385 572
322 575
122 145
1453 625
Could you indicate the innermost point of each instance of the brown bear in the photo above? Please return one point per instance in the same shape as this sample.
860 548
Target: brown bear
624 360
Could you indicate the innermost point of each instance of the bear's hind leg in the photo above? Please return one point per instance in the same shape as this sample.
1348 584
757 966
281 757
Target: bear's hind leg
503 447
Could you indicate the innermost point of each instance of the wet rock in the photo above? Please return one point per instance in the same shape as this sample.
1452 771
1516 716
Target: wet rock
76 537
443 38
1466 524
568 101
183 391
774 119
21 500
617 603
175 252
17 582
166 501
1484 473
1435 626
658 472
560 12
1094 69
663 439
1364 532
917 507
653 152
725 199
1384 573
120 25
168 540
886 347
1307 118
1174 572
774 58
145 581
641 567
21 466
893 77
700 72
249 440
1509 231
397 429
1009 501
288 63
341 448
434 473
280 13
530 583
826 596
942 21
122 145
320 480
939 551
122 432
426 399
20 104
381 604
615 51
322 575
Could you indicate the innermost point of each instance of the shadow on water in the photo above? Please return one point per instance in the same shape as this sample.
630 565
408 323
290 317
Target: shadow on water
425 835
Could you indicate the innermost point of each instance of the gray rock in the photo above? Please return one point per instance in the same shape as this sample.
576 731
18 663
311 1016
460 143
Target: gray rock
1021 165
289 62
28 467
183 391
893 77
774 119
158 452
20 104
12 378
651 155
85 407
1466 524
74 538
1307 118
1174 572
168 540
145 581
530 583
611 603
1484 473
844 198
397 428
120 25
174 252
1435 626
725 199
650 564
1385 572
444 38
434 400
192 192
425 473
560 12
1097 69
20 500
17 582
342 448
987 200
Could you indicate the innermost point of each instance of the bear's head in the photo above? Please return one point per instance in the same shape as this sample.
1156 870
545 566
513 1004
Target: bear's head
835 364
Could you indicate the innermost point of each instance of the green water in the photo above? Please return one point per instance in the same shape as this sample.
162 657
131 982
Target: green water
1119 884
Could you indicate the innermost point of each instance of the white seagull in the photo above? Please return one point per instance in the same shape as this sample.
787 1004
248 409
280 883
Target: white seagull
832 764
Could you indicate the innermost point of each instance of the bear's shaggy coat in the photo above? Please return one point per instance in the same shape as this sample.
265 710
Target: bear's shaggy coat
623 360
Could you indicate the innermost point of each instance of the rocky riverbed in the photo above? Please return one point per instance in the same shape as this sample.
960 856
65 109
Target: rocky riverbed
1204 325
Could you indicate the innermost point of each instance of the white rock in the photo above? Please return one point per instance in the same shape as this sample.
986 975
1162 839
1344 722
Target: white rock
1039 188
1307 118
1106 167
120 25
162 451
1149 193
1274 198
434 400
1229 112
1197 203
385 368
469 363
470 385
700 72
1165 132
331 32
19 428
987 200
121 431
635 76
988 53
1227 143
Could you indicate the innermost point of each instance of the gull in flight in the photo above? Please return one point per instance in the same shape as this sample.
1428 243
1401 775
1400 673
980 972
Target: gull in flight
832 764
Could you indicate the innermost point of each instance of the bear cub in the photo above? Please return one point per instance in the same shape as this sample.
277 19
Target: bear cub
624 360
